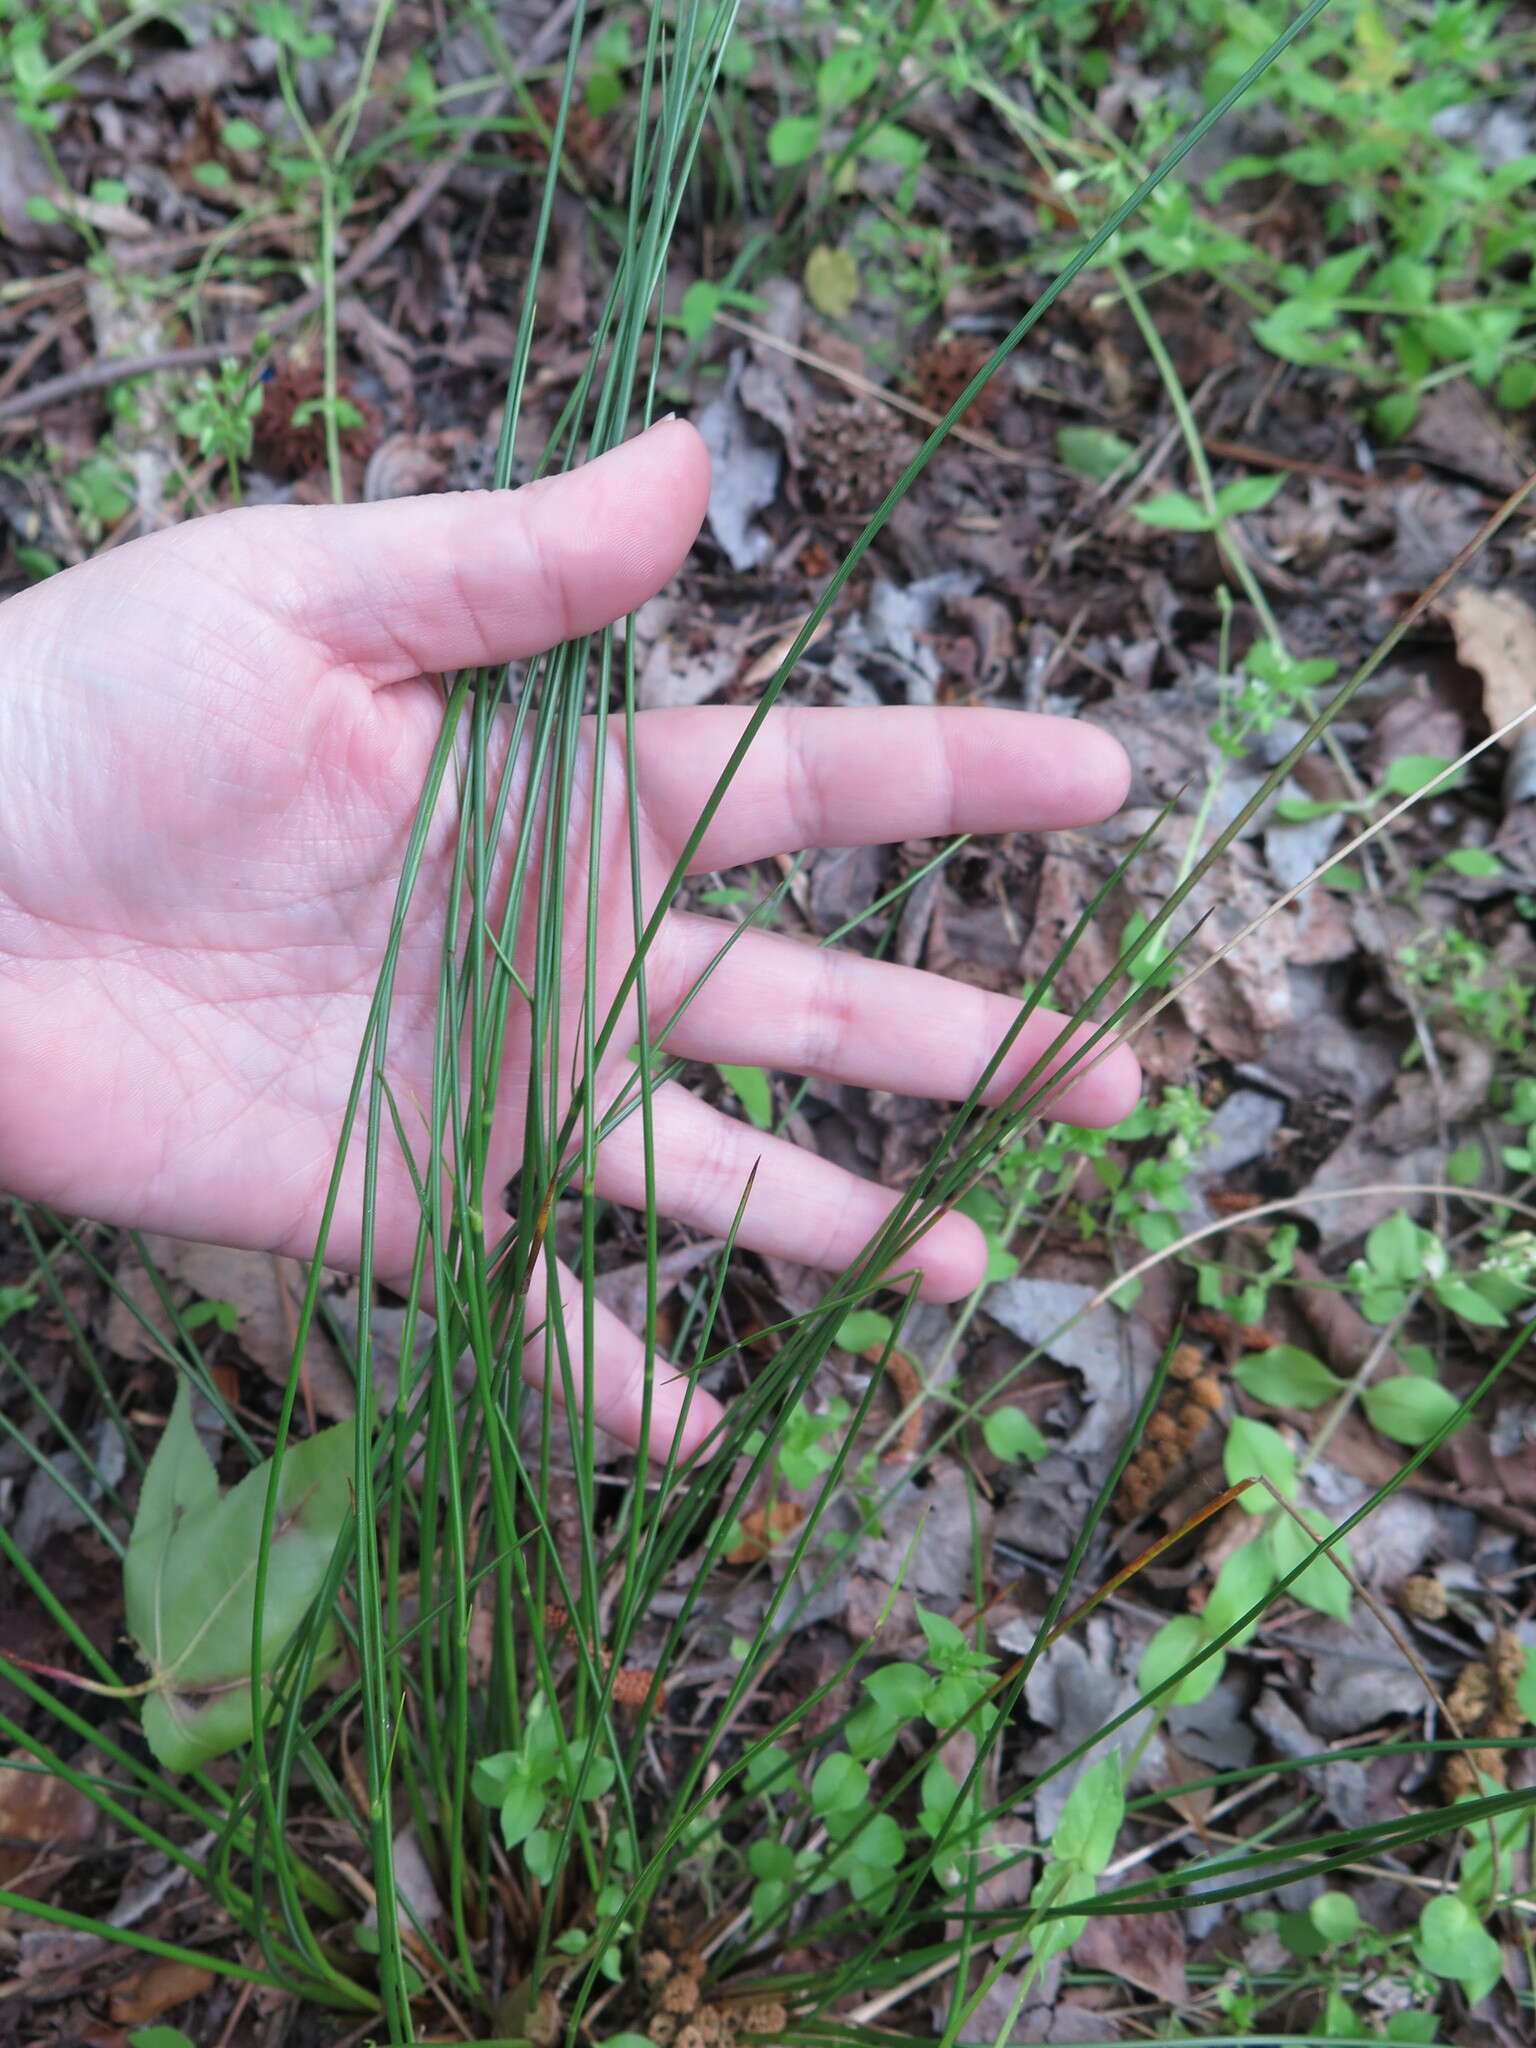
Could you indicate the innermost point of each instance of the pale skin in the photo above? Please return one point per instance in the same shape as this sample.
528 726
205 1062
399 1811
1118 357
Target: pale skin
212 744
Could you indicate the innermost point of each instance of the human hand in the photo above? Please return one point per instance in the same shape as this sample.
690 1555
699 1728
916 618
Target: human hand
212 746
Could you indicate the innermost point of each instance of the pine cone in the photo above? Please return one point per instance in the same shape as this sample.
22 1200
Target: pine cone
939 375
860 450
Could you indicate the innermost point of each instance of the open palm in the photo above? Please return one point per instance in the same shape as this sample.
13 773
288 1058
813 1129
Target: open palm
212 746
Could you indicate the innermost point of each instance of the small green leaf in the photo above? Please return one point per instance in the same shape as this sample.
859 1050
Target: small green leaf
1408 1409
700 304
1464 1300
793 140
863 1330
771 1859
1411 774
1248 494
890 143
1093 452
1010 1435
753 1091
1176 510
1394 414
212 176
165 2037
846 76
1475 862
1322 1586
1088 1825
1396 1248
242 134
521 1810
1255 1451
1169 1651
1452 1942
1419 2028
1060 1884
1241 1584
898 1689
839 1786
1286 1377
540 1852
223 1314
1464 1166
1335 1916
1525 1689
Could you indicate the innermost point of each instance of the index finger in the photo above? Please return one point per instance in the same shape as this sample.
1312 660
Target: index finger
870 777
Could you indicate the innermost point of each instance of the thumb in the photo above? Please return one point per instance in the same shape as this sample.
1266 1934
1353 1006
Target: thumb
418 586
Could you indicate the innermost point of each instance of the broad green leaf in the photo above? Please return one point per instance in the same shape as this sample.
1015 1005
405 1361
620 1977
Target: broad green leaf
1322 1585
1010 1435
1287 1378
1086 1829
1408 1409
189 1580
1169 1651
540 1853
1093 452
1177 510
1255 1451
165 2037
753 1091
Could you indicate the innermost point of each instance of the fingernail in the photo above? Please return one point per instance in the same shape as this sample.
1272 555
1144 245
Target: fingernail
666 416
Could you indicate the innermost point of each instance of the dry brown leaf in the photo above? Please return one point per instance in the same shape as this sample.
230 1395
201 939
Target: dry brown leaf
265 1292
1496 637
161 1988
1144 1949
37 1810
762 1529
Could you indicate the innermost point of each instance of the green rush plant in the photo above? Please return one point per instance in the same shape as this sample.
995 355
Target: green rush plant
438 1603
